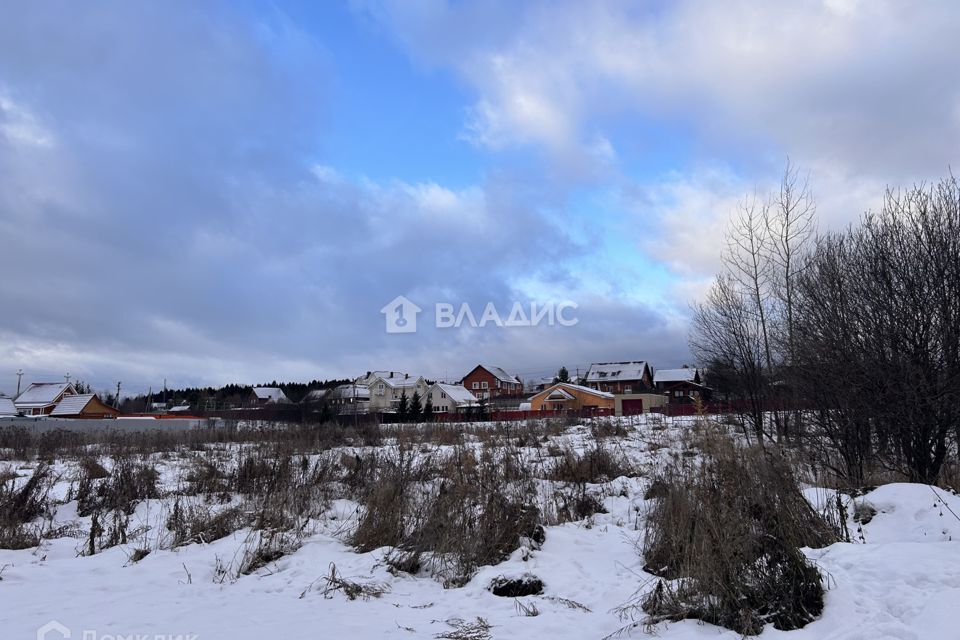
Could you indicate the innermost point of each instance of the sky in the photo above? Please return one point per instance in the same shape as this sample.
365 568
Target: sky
220 192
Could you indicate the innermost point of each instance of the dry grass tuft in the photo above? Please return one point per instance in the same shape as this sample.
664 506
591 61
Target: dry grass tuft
724 536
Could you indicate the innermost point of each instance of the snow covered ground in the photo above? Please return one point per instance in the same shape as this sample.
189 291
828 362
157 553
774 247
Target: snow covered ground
900 579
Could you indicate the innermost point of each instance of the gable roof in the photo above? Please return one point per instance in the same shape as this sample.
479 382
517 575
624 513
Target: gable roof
617 371
7 408
687 374
457 392
315 395
72 405
350 391
399 382
270 394
566 387
497 373
41 394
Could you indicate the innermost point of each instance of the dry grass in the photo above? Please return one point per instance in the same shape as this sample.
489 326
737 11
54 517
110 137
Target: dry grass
724 537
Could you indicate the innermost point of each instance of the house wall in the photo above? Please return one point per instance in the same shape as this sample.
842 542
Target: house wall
582 399
650 401
495 387
387 398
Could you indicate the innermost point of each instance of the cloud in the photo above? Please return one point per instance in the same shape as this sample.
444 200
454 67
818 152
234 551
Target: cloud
164 214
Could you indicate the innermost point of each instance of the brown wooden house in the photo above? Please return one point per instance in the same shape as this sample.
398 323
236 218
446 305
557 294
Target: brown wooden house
87 405
486 382
620 377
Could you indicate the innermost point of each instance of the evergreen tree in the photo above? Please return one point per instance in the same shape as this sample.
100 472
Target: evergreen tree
416 407
404 407
428 410
562 376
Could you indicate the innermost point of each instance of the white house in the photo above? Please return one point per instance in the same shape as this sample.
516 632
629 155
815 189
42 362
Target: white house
40 398
350 398
386 391
451 398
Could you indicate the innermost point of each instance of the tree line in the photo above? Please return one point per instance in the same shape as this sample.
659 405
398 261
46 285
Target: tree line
846 342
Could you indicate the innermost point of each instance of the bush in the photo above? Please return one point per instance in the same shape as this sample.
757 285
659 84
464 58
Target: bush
21 506
724 537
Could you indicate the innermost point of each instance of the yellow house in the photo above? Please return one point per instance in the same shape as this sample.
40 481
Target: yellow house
564 396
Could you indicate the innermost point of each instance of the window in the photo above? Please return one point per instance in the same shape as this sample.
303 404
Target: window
628 389
498 384
476 385
484 385
443 396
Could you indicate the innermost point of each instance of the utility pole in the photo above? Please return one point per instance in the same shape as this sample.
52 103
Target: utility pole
19 375
116 403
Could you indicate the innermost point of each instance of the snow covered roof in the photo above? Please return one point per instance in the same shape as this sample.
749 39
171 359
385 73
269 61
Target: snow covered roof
457 392
675 375
616 371
41 394
270 394
72 405
7 408
316 395
351 391
399 382
500 374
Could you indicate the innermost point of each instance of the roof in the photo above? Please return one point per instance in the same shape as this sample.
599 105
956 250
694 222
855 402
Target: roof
675 375
616 371
7 408
457 392
41 394
500 374
270 394
72 405
399 382
565 386
316 395
349 391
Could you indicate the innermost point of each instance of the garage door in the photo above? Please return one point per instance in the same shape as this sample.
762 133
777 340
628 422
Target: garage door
632 407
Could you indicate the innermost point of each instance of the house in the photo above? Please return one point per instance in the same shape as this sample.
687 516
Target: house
41 398
664 378
350 399
633 376
315 396
452 398
687 392
386 391
565 396
7 408
538 384
487 382
268 395
87 405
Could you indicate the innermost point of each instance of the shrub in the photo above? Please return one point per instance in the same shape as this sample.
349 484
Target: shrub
21 506
724 537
